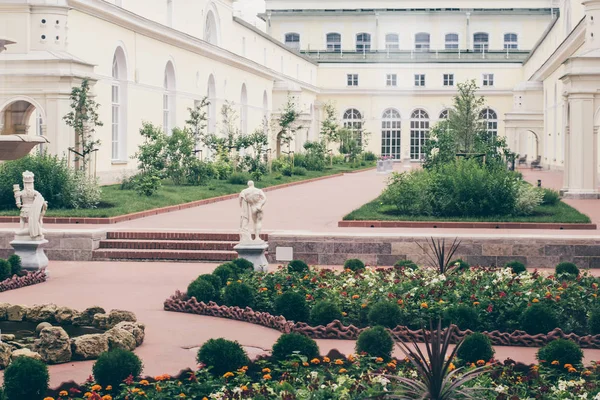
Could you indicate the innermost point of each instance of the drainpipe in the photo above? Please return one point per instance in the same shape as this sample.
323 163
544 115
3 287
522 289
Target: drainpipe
468 31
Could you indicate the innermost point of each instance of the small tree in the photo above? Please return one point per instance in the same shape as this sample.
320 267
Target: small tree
330 127
83 119
152 159
288 123
258 142
353 140
197 121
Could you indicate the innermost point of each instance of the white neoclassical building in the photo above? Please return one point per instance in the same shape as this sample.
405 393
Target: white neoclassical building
390 66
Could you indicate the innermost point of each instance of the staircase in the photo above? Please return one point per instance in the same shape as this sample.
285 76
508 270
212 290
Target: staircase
168 246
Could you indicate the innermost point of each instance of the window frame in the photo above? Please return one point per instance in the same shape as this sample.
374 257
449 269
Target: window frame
391 80
488 80
391 134
331 45
480 46
391 44
420 80
352 80
292 35
510 44
448 80
449 44
364 43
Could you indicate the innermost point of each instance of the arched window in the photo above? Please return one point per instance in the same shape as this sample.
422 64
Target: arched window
292 40
352 120
481 41
119 106
211 33
490 119
451 41
363 42
392 41
390 134
334 42
212 106
444 114
419 133
169 99
511 41
422 41
244 110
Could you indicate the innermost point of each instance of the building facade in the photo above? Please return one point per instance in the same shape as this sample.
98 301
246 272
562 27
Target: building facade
390 67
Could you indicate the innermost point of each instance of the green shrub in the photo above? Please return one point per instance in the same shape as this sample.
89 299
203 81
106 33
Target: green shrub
113 367
200 172
300 171
551 197
225 272
213 280
561 350
292 306
594 321
476 347
324 312
407 264
26 379
202 290
297 266
386 314
462 265
238 295
316 153
369 156
239 178
463 316
222 356
528 199
295 343
539 318
287 170
5 270
376 342
243 265
15 264
224 170
567 270
354 264
517 267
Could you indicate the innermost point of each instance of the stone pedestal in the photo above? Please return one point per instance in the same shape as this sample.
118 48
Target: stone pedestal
406 163
31 252
255 253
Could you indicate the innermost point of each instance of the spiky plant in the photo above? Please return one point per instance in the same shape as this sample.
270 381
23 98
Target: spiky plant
440 256
438 378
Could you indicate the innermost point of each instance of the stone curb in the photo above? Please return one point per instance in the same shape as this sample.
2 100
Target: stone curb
464 225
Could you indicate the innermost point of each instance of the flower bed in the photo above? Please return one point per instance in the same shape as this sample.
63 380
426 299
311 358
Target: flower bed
28 279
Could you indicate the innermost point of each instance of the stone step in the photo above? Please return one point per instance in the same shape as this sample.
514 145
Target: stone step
162 255
195 236
144 244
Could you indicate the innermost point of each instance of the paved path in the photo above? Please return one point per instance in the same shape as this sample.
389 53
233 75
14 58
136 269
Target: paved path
142 288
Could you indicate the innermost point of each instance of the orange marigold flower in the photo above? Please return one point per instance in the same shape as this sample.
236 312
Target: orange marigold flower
535 367
587 373
400 301
144 382
351 358
48 398
567 366
95 388
339 361
451 367
355 297
572 370
344 314
379 360
63 393
557 298
107 397
182 395
326 360
244 388
424 305
472 365
266 370
109 387
315 361
228 375
343 370
305 364
475 303
391 365
480 363
555 362
535 300
363 305
267 377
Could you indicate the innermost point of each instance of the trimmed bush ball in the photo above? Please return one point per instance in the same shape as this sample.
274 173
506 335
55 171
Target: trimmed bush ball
561 350
243 265
386 314
567 270
5 270
292 306
324 312
354 264
26 378
300 171
226 272
238 295
516 266
222 356
295 343
15 263
462 265
406 264
463 316
202 290
239 178
538 319
594 321
213 280
551 197
376 342
476 347
297 266
113 367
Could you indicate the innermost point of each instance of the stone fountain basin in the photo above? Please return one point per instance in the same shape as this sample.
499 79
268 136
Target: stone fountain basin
24 332
13 147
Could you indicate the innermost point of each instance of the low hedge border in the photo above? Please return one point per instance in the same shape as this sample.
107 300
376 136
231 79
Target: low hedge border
464 225
16 282
336 330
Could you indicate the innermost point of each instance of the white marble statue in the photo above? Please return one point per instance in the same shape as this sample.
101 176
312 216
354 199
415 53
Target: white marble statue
252 201
33 208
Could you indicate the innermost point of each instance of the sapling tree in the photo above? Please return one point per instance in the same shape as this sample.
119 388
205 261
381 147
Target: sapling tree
197 121
288 123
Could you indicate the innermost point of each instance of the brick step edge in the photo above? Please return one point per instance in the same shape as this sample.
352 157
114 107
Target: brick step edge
191 236
464 225
174 255
167 245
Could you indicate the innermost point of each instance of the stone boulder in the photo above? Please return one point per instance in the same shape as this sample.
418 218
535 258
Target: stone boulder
4 311
89 347
110 320
101 321
16 313
41 326
7 337
5 352
54 345
26 353
65 315
135 328
41 313
120 339
86 317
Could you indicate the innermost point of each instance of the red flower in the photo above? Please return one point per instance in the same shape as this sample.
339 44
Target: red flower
74 391
344 294
490 308
502 294
129 380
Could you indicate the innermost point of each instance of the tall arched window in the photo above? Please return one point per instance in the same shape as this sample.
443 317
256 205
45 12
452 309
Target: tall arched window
352 120
481 41
444 114
392 41
211 33
511 41
363 42
422 41
212 106
451 41
419 133
334 42
490 119
292 40
390 134
119 106
169 99
244 110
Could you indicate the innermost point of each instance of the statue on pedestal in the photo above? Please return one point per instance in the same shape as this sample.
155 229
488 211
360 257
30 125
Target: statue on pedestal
33 208
252 201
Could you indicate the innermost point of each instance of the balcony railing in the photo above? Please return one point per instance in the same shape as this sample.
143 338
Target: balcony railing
415 56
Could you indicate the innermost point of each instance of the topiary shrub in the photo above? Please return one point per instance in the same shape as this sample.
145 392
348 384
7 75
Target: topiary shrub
243 265
114 366
567 270
5 270
300 171
538 319
551 197
26 378
292 306
406 264
295 343
238 295
386 314
202 290
463 316
561 350
354 264
15 263
213 280
297 266
226 272
594 321
476 347
516 267
222 356
239 178
460 264
376 342
324 312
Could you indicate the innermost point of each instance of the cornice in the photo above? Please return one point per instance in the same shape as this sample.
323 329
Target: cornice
410 92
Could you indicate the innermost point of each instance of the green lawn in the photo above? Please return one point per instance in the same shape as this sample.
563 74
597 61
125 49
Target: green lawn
560 213
119 202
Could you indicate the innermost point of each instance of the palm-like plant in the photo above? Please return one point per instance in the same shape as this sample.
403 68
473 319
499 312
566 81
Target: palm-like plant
439 256
439 379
